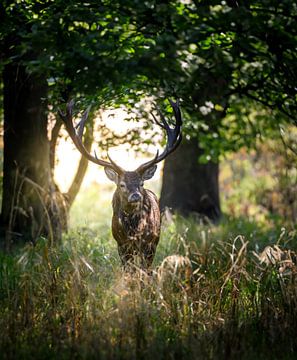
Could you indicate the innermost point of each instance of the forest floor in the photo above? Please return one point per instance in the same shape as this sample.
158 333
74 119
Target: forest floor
236 298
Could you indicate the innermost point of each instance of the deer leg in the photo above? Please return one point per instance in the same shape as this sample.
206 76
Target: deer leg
149 254
126 254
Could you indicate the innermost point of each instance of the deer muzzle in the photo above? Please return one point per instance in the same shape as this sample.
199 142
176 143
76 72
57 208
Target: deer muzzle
134 198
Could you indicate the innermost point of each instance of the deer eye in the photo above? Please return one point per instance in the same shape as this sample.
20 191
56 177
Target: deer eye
141 184
122 186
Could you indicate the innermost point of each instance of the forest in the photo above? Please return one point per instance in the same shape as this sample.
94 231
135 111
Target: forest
148 179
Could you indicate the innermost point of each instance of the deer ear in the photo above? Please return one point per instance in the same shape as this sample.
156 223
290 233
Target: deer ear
149 173
111 174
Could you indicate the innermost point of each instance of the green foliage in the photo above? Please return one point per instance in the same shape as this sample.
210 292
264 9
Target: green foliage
228 58
218 57
260 184
82 48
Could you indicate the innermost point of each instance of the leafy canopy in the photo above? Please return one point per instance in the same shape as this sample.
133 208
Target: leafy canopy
231 62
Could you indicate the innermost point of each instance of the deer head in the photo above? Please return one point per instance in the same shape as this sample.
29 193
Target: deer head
129 183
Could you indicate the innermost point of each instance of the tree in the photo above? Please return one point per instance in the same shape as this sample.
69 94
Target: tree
210 54
191 192
227 59
50 50
25 176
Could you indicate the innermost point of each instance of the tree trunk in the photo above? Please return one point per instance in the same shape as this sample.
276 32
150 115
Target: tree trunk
29 207
190 187
82 167
75 186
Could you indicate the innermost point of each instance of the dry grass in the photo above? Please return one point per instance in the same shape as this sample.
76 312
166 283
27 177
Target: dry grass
213 299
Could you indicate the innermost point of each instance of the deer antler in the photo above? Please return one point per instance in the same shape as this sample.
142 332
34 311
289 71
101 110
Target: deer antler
76 133
174 136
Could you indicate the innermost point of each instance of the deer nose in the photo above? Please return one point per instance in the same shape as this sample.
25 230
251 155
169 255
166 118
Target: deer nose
135 197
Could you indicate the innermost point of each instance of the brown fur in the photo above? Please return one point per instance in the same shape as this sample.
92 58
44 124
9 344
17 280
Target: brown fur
136 230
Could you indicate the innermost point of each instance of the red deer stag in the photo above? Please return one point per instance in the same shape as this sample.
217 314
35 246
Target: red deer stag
136 215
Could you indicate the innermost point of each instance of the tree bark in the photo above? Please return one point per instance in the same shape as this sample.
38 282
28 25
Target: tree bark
29 207
188 186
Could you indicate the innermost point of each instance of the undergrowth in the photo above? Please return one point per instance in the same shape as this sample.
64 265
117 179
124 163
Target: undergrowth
215 292
73 300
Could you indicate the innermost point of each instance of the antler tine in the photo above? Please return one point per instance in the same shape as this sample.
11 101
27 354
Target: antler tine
157 121
69 107
174 136
177 114
116 166
80 126
165 123
76 136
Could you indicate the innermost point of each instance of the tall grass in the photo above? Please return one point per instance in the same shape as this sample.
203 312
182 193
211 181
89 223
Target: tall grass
73 300
236 299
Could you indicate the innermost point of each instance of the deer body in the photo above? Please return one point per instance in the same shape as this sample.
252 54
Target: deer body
136 214
137 230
